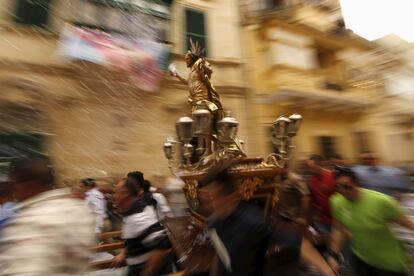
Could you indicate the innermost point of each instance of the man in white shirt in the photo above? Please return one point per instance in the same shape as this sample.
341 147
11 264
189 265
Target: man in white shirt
96 203
51 232
163 209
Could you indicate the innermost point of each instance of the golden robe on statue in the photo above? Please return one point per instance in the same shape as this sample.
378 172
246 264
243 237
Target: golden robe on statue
202 92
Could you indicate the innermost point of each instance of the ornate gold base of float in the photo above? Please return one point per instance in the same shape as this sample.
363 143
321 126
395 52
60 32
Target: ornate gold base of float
194 253
257 182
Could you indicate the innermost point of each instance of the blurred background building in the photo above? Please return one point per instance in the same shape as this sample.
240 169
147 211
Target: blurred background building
270 57
398 103
304 60
89 118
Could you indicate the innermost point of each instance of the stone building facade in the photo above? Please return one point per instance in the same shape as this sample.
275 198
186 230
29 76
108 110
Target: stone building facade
304 60
90 119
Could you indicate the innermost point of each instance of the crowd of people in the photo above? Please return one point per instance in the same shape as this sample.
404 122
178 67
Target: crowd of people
329 215
50 231
352 212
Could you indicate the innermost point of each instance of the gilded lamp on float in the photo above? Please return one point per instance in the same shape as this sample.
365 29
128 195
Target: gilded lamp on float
221 141
283 131
227 129
202 130
184 129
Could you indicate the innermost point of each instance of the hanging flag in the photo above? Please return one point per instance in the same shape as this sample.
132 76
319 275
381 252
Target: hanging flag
142 60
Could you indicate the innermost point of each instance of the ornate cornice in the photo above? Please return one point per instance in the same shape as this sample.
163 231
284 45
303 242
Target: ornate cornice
218 62
347 39
81 72
27 31
50 69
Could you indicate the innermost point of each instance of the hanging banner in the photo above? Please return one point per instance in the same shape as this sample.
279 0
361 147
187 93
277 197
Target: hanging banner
142 60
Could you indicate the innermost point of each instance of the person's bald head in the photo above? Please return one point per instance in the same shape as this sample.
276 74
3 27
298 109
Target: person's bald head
369 158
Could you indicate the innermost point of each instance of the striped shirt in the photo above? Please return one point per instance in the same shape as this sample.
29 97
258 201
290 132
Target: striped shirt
142 232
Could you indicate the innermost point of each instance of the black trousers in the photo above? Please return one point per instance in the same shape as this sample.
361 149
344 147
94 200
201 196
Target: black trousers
361 268
135 270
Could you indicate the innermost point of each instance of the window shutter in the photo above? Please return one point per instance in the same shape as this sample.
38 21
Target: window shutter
33 12
17 145
167 2
327 144
195 28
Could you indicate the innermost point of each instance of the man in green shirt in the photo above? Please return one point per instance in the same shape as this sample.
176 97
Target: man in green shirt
366 216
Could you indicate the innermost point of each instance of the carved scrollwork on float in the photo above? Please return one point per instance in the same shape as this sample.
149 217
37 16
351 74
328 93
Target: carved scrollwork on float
275 198
249 186
191 192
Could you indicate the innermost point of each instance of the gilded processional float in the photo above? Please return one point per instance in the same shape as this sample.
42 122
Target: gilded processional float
205 137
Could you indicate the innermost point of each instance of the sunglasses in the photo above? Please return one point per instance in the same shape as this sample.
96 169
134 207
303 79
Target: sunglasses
344 186
342 169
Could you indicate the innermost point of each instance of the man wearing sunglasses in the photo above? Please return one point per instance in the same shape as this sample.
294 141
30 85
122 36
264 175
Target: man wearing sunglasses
366 215
388 180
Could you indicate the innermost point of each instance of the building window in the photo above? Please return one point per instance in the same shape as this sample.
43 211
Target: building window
20 145
326 57
329 68
362 141
132 19
327 146
276 4
333 86
195 28
33 12
167 2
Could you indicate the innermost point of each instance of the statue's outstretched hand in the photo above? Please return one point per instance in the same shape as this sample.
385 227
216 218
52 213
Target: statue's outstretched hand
173 70
174 73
